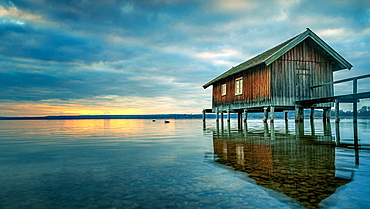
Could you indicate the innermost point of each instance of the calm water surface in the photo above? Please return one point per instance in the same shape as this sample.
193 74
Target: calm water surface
181 164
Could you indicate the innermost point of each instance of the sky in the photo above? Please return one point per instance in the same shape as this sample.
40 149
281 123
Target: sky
81 57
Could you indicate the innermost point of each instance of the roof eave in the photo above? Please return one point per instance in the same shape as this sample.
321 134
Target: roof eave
220 77
308 33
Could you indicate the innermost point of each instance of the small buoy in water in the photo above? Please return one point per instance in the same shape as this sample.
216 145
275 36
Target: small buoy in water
153 120
166 121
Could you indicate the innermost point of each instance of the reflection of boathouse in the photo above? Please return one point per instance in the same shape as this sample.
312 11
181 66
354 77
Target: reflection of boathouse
299 168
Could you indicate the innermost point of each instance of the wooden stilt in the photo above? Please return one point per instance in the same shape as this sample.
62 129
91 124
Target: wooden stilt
217 113
337 119
265 114
355 112
245 115
222 120
286 115
272 114
326 115
228 115
312 113
355 102
299 114
204 115
239 120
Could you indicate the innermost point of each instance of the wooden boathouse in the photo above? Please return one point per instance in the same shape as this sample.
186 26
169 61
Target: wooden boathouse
277 79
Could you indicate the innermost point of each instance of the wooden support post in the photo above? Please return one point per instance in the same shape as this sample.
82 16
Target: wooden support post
204 115
222 120
228 115
204 118
286 115
272 114
312 113
337 119
265 114
355 102
239 120
299 114
355 112
326 115
245 115
217 114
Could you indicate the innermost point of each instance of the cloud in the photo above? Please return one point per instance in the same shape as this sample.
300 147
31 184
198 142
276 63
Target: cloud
154 54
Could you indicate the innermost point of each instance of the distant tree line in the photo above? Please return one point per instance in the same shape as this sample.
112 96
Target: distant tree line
363 111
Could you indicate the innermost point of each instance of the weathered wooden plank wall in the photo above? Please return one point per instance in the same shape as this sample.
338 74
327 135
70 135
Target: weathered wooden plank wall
296 71
256 87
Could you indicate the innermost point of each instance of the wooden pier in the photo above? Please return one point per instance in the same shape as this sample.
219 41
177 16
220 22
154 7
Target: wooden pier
353 98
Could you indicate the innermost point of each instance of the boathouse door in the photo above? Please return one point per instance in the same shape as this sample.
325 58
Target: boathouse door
303 84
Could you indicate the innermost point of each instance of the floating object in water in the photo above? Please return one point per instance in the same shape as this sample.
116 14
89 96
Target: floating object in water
153 120
166 121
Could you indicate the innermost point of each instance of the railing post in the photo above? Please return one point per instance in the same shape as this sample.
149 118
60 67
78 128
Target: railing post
355 102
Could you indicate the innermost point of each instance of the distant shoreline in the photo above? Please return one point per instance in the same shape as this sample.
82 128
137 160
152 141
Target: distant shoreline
158 116
74 117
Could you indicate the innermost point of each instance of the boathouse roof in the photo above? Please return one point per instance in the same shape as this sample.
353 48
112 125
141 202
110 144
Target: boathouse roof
269 56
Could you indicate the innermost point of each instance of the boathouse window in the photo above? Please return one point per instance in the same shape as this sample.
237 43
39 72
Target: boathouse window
223 89
238 86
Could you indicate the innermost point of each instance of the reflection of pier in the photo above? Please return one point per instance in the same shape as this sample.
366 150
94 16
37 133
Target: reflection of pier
301 166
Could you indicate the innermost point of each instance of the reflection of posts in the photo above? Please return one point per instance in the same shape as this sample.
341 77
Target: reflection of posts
337 133
312 127
229 128
327 128
245 129
299 129
240 154
286 127
272 131
218 127
266 130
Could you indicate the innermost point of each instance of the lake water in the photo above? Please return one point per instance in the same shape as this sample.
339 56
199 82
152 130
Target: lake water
181 164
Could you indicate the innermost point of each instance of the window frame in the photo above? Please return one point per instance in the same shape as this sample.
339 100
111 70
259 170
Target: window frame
223 89
239 86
